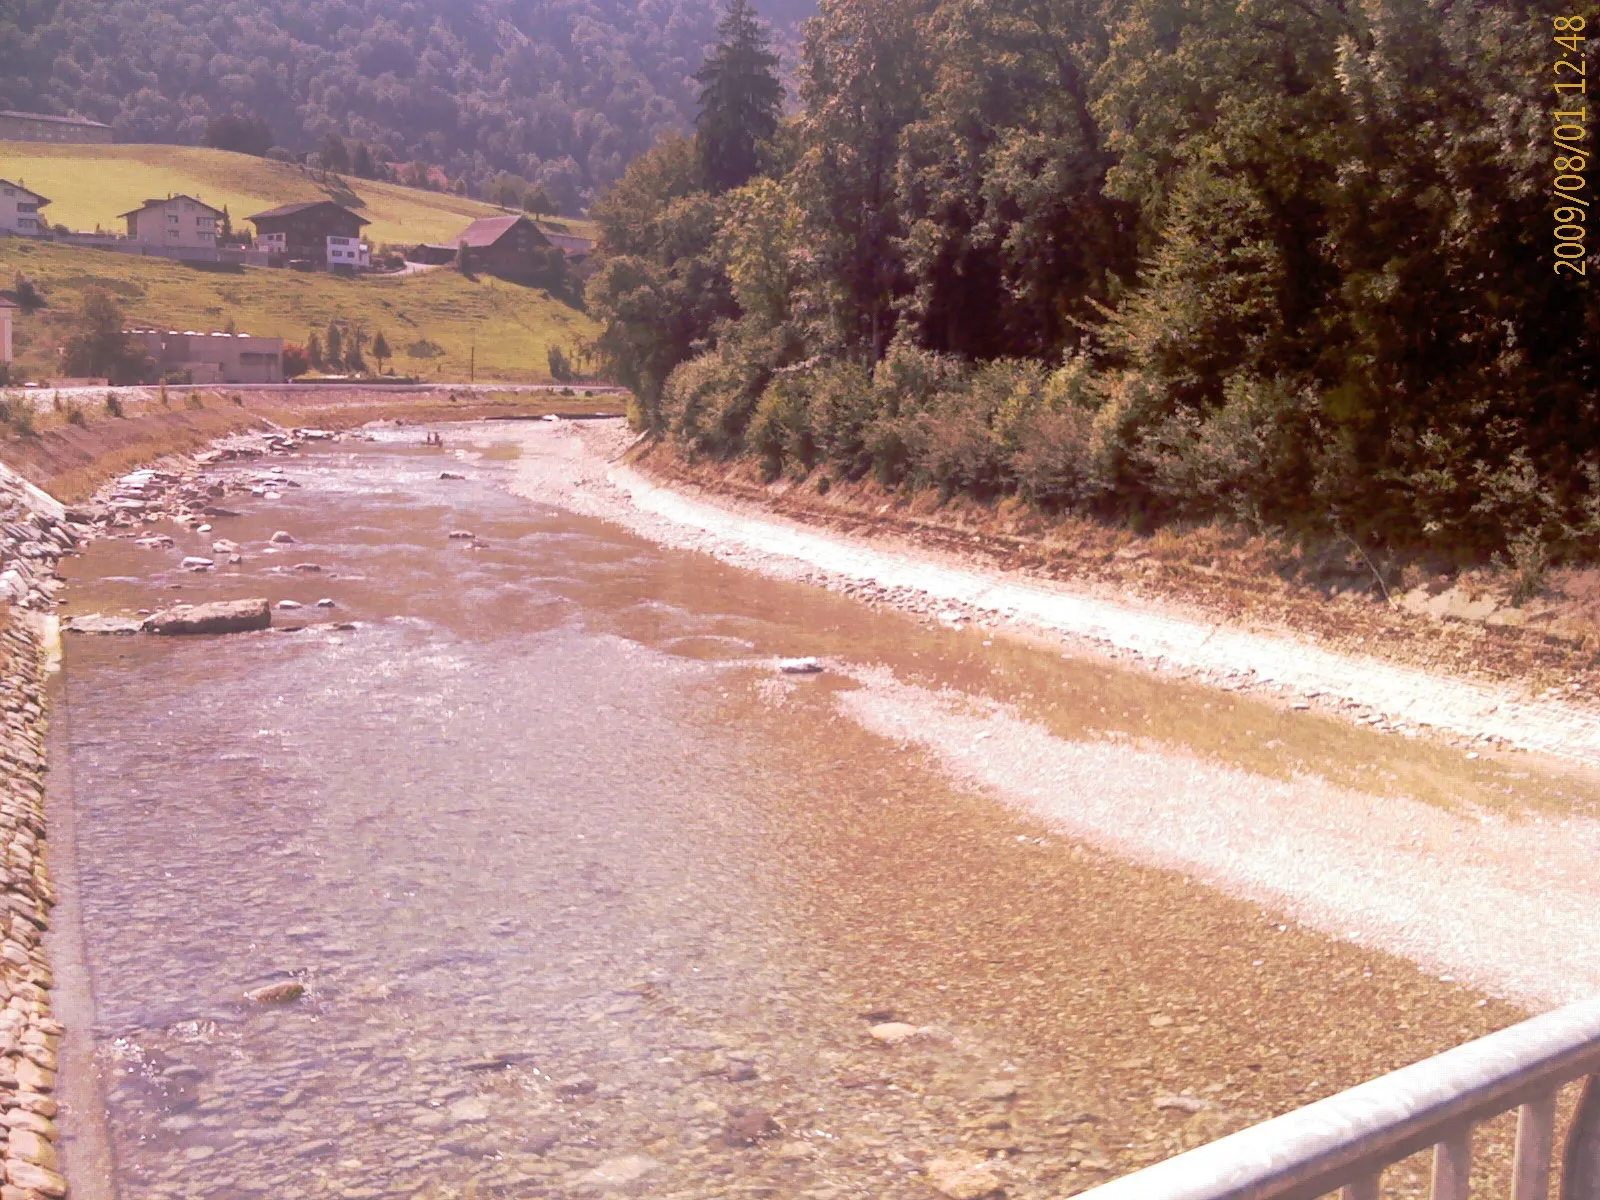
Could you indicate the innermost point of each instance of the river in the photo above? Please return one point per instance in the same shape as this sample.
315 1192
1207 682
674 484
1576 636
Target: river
586 898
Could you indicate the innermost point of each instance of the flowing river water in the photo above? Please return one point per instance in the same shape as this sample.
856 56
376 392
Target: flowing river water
587 899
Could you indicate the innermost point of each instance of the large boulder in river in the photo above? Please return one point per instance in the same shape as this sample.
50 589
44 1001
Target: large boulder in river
219 616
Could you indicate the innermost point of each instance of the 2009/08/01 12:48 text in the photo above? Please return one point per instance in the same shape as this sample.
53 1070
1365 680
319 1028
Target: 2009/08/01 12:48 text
1571 138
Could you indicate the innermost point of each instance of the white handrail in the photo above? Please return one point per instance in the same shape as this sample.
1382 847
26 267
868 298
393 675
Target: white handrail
1348 1139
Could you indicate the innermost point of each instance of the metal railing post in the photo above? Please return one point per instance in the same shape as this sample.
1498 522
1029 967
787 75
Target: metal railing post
1452 1165
1536 1140
1580 1172
1362 1189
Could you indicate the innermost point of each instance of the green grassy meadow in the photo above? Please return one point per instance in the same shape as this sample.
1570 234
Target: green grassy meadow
89 186
510 326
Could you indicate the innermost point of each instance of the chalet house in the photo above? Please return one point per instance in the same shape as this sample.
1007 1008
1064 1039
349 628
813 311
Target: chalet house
312 231
178 221
509 246
19 209
41 127
8 310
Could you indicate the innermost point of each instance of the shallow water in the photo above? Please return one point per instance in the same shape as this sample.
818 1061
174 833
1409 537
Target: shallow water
572 879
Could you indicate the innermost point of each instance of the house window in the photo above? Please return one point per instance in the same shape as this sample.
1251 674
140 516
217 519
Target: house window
27 208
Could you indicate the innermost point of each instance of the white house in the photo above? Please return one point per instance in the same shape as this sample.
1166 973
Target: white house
19 209
178 220
348 252
7 309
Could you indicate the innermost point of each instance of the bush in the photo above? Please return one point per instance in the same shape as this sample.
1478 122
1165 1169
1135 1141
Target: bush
75 416
17 412
194 402
779 431
113 405
1053 461
840 413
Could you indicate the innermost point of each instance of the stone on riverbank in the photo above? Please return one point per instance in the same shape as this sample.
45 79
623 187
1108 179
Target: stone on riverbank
218 616
799 666
282 538
96 623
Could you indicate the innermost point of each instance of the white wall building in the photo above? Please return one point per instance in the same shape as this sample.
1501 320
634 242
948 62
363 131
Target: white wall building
7 311
348 252
176 221
19 209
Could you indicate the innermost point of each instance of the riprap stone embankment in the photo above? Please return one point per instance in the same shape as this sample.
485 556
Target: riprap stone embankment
34 534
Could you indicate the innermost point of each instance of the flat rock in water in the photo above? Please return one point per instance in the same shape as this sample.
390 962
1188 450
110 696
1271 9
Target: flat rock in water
219 616
799 666
195 563
461 535
212 510
95 623
450 475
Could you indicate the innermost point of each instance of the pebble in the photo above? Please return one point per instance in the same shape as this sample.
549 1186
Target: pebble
289 604
963 1180
616 1172
894 1033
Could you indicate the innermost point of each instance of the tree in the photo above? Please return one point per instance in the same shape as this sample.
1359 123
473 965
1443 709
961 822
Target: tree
296 360
353 351
537 201
334 153
560 365
740 98
464 259
29 298
361 162
243 135
98 346
334 347
314 351
381 350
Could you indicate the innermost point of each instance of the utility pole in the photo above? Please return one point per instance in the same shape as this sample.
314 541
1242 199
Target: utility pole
472 364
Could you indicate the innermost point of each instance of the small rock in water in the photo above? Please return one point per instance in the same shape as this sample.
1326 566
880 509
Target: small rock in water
963 1180
224 546
203 529
195 563
469 1109
799 666
749 1126
282 538
998 1089
1187 1104
893 1033
288 604
306 567
325 602
95 623
461 535
450 475
575 1085
616 1172
277 993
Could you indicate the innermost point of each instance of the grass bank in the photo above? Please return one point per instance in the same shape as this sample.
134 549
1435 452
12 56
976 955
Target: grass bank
89 185
70 460
441 324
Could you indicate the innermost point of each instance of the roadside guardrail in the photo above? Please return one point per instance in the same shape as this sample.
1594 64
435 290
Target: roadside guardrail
1344 1143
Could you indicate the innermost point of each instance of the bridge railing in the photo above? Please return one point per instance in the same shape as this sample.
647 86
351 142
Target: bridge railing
1344 1143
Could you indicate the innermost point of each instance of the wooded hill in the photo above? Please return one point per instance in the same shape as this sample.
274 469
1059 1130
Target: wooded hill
560 92
1279 262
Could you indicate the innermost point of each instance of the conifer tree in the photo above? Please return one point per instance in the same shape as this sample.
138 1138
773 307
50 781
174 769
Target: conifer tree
740 98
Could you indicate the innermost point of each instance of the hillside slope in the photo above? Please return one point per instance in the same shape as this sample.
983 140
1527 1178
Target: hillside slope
510 327
561 92
89 186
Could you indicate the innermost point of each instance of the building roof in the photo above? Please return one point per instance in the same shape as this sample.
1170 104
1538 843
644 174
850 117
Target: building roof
7 183
169 200
571 243
486 231
4 303
289 210
27 116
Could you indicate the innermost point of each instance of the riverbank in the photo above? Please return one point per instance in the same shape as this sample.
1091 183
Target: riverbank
71 450
1197 605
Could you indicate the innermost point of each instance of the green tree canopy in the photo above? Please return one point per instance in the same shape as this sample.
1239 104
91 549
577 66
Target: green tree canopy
740 98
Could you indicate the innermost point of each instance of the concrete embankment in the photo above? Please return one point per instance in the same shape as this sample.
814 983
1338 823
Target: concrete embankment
34 533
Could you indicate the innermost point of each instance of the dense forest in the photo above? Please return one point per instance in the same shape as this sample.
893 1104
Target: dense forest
1280 262
561 93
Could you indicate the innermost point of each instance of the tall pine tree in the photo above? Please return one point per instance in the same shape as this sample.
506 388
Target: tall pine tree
740 98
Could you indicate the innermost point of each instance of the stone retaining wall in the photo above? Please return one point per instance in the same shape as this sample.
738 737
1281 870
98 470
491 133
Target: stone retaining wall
34 534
